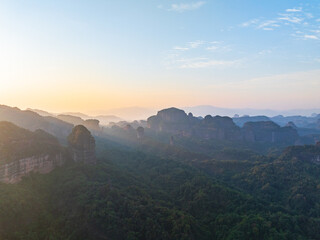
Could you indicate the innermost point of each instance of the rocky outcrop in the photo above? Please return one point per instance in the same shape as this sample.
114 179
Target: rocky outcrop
240 121
82 145
13 172
140 132
291 124
268 132
177 122
23 151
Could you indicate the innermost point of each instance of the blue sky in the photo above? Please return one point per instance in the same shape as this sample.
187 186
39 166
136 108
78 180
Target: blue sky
248 53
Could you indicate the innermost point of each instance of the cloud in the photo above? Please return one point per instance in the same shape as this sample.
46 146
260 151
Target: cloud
181 48
294 10
199 55
290 18
314 37
268 25
249 23
208 63
298 86
196 44
182 7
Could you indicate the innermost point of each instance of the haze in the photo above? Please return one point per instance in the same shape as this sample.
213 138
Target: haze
92 56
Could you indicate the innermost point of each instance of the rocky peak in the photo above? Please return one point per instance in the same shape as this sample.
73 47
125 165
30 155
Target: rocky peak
140 132
291 124
172 115
82 145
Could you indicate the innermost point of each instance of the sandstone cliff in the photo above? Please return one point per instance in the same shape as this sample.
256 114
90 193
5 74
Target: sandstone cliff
82 145
23 151
177 122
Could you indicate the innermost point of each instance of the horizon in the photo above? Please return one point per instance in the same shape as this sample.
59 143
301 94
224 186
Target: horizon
139 113
90 57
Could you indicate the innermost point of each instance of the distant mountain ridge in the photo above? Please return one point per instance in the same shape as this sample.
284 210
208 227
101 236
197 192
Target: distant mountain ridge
177 122
203 110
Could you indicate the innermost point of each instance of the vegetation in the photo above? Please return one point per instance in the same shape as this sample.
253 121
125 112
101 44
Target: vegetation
130 194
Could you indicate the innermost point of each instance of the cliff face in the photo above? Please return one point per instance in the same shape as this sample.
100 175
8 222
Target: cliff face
82 145
14 171
22 152
269 132
176 121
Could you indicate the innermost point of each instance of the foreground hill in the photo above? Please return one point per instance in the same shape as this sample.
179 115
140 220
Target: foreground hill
23 151
132 195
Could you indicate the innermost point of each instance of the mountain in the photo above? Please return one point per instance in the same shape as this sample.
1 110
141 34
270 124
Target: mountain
41 112
106 119
204 110
33 121
177 122
130 113
240 121
23 151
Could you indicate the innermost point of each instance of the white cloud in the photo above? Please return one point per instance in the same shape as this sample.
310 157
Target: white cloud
265 52
249 23
182 7
298 86
294 10
290 18
311 37
270 23
181 48
195 44
209 63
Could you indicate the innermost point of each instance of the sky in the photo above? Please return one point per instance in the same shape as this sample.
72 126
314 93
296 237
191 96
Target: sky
91 56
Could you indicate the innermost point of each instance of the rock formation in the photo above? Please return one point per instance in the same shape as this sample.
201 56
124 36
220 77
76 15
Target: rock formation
82 145
268 131
177 122
140 132
23 151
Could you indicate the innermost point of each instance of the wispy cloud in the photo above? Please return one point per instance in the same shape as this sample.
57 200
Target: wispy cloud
250 22
182 7
209 63
199 54
290 18
196 44
314 37
303 24
268 25
294 10
180 48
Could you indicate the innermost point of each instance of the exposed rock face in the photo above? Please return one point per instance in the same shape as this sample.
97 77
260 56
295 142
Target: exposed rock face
291 124
240 121
82 145
140 132
13 172
22 152
268 132
177 122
